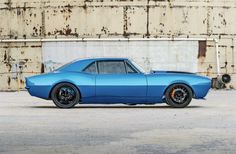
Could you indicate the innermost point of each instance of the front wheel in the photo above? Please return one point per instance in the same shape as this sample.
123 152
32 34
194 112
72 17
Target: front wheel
65 95
178 95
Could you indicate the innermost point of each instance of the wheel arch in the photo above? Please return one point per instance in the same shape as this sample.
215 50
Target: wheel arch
186 84
64 82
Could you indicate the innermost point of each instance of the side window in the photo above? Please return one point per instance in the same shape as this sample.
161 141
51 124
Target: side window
91 68
130 69
111 67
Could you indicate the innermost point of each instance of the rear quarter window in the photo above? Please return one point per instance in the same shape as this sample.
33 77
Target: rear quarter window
91 68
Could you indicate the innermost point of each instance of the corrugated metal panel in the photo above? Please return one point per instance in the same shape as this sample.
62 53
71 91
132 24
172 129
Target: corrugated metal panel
158 55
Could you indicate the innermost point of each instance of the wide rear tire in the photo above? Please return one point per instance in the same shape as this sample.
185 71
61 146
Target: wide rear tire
178 95
65 95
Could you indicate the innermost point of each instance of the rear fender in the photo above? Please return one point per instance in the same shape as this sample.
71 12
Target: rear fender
70 82
62 81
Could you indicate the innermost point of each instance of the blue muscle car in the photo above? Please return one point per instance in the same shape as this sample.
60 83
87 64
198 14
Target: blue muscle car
116 80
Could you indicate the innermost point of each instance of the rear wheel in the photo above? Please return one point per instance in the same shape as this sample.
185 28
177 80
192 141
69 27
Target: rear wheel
178 95
65 95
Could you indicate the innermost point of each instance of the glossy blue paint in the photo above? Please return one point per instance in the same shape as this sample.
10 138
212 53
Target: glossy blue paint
115 88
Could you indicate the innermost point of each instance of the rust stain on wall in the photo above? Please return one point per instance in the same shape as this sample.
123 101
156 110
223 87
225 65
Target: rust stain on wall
147 25
9 81
201 49
67 31
125 19
42 68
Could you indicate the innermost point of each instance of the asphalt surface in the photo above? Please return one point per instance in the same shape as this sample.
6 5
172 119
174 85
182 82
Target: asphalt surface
32 125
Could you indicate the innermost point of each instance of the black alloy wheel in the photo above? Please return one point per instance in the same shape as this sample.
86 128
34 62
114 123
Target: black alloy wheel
65 95
178 95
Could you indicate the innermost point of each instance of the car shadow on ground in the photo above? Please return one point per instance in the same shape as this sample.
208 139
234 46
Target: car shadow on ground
115 107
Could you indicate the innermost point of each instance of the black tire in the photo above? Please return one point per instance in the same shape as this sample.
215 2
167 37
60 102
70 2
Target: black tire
178 95
65 95
130 104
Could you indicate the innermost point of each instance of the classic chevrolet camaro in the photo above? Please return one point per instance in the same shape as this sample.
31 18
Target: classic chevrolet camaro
116 80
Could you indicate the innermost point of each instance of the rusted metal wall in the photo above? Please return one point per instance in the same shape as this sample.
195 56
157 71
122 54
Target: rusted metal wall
30 19
18 60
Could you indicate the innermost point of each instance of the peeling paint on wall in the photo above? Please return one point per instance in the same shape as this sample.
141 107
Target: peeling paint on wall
18 60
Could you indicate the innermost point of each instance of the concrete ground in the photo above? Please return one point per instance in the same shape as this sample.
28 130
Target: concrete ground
32 125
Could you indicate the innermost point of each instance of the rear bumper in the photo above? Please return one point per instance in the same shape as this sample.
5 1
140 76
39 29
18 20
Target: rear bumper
39 91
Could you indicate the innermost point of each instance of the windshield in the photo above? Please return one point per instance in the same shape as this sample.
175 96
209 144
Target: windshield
138 66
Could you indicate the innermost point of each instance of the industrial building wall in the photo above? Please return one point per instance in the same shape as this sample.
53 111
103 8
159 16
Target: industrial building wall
55 19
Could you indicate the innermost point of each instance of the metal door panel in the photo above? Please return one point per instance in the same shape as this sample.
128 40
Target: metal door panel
121 85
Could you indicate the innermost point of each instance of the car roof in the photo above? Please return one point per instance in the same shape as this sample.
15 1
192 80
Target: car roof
80 64
96 59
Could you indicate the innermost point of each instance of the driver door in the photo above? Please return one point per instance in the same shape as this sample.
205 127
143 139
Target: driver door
117 81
